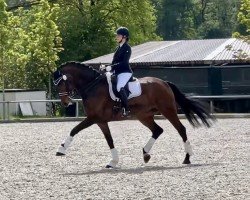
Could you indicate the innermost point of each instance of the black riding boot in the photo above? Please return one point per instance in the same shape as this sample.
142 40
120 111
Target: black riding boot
124 99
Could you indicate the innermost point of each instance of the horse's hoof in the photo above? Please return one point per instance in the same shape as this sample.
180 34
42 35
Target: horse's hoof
109 167
187 159
60 154
186 162
146 157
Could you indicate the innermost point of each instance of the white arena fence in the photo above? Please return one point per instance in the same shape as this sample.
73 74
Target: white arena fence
5 105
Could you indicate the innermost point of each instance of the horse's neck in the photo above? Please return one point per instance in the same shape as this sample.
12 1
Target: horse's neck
86 76
86 80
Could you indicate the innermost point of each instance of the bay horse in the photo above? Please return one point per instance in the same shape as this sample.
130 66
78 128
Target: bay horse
157 96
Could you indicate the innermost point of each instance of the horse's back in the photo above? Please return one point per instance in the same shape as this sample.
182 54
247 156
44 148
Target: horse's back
155 83
155 89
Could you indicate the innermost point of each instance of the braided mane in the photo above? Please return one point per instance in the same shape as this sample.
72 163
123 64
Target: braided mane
78 65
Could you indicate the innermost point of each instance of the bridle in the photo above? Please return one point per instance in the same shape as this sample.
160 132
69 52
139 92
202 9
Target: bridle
72 93
64 78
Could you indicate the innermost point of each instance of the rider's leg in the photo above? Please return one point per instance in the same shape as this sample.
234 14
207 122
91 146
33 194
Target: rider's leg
124 100
122 80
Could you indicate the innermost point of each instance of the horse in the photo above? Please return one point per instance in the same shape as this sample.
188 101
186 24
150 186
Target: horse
157 96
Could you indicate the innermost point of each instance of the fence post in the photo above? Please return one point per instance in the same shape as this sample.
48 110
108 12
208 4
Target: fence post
77 109
8 111
4 109
211 106
2 104
49 97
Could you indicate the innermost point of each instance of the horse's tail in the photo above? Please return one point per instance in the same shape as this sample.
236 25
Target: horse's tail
190 107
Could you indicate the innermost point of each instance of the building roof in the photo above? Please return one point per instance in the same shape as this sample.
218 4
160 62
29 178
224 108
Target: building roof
183 52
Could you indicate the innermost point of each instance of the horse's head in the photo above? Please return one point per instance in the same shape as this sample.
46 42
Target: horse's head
65 86
71 77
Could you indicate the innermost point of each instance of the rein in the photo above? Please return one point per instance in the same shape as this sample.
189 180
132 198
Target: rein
90 85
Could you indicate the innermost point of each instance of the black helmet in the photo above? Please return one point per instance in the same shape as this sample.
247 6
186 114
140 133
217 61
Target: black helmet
123 31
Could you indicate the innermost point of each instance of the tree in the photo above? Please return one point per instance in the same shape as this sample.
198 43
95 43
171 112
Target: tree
244 20
195 19
4 36
44 43
88 27
11 50
219 18
34 43
175 20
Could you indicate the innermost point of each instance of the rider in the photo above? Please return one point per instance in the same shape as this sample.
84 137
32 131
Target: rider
120 66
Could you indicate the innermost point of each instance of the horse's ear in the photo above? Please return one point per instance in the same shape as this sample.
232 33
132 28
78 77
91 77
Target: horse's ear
57 74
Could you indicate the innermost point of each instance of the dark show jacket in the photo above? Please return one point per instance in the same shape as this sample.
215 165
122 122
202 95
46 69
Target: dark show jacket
121 59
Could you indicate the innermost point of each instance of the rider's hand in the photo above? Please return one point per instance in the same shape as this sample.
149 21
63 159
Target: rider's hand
108 68
102 67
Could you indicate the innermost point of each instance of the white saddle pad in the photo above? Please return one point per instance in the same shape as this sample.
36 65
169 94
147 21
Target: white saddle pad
134 88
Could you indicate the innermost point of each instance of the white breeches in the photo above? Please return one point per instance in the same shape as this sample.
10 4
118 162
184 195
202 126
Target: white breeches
122 80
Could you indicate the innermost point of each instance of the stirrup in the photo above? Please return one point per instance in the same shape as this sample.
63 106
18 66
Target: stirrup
125 113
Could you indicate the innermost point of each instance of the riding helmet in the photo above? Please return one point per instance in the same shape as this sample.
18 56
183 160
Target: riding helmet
123 31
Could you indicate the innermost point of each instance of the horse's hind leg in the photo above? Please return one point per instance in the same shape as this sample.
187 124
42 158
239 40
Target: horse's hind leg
105 129
156 132
171 115
66 143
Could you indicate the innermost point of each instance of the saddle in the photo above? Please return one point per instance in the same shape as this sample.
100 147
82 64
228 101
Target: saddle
133 87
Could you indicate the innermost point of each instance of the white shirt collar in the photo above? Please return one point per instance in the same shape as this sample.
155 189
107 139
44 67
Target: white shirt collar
121 44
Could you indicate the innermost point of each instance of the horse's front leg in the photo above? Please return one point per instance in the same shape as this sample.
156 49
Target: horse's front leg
66 143
105 129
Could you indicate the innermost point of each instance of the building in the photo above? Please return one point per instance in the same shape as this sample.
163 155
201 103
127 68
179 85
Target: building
197 67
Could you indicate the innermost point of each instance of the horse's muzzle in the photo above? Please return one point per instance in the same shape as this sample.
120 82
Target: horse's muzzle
66 103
